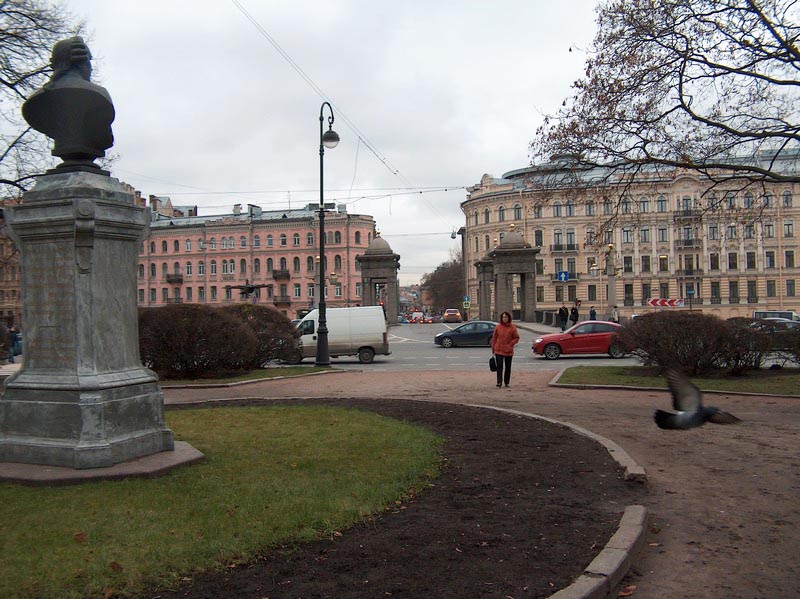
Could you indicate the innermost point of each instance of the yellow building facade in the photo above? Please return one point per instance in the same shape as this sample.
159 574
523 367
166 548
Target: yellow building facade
667 234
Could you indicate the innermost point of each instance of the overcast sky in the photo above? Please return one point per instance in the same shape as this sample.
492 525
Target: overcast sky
210 113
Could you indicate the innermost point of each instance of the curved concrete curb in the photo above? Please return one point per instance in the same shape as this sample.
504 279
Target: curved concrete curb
239 383
601 577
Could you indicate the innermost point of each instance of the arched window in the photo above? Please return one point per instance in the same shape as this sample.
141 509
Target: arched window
570 209
269 241
296 239
309 239
230 242
188 268
475 215
152 247
213 243
224 262
283 264
243 241
787 199
141 271
486 216
589 208
517 212
201 244
501 214
231 264
310 264
201 268
337 237
153 270
176 269
176 246
213 267
164 270
257 241
242 267
557 209
163 247
269 265
283 240
188 245
296 264
329 237
358 237
337 263
224 243
256 266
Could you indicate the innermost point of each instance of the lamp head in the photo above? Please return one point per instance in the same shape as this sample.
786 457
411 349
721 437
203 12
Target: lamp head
330 139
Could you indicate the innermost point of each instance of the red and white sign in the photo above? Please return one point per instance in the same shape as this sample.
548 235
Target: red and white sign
665 303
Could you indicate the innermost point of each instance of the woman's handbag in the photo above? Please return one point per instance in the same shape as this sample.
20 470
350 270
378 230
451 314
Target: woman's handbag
492 364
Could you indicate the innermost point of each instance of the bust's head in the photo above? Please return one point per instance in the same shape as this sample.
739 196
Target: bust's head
71 55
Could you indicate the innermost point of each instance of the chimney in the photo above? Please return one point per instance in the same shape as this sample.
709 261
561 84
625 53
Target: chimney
237 209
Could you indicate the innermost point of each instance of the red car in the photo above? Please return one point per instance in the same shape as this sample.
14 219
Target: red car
589 337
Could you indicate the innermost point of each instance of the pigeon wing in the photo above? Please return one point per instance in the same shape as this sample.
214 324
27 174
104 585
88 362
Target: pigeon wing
720 417
685 396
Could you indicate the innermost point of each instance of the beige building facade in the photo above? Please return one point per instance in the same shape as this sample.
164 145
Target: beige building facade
723 248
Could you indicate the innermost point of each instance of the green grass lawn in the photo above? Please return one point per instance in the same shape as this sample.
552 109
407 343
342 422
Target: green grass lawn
272 474
785 381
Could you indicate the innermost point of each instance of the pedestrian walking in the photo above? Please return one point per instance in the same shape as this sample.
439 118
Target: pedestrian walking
563 316
574 316
504 339
614 314
11 341
592 313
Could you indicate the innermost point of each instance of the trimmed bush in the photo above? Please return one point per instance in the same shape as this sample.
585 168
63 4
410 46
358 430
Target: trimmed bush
194 341
276 336
744 347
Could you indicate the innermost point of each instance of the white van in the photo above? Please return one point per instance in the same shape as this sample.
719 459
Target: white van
351 331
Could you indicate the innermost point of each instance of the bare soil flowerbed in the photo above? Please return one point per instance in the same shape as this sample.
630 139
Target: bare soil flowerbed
520 508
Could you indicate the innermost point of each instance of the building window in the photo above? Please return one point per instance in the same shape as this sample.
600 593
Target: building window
152 247
486 243
153 271
713 232
790 287
627 264
788 257
297 291
213 267
730 200
337 290
164 294
731 232
733 261
771 289
713 261
626 206
212 244
589 208
201 294
283 240
517 212
152 295
296 239
213 293
662 234
661 204
539 293
269 241
767 199
715 292
224 267
188 269
310 238
224 243
243 266
749 231
748 200
358 289
769 230
358 233
256 266
257 241
283 264
644 205
787 199
501 214
769 259
242 241
663 264
188 245
644 234
188 294
645 263
537 212
733 292
647 292
559 293
538 238
201 268
627 237
557 209
788 229
486 217
750 260
310 290
607 208
570 209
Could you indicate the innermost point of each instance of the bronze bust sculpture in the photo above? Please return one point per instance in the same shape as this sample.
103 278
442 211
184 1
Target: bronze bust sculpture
71 110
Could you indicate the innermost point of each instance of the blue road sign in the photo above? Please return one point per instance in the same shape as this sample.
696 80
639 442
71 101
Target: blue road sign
563 276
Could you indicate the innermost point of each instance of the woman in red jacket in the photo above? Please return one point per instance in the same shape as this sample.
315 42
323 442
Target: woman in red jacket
503 341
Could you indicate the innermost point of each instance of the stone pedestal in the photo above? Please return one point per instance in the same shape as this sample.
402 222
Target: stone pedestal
82 398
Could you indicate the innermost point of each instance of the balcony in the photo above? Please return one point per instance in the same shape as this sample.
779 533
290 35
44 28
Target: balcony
282 300
733 300
716 300
687 243
565 247
281 275
693 272
752 299
687 214
175 278
628 301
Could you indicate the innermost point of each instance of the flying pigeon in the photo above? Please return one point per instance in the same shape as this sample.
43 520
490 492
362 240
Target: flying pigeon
689 407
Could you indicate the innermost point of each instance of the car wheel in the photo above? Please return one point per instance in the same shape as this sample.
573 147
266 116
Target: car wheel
447 342
616 351
551 351
365 355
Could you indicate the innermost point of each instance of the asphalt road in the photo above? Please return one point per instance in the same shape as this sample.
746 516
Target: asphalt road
413 348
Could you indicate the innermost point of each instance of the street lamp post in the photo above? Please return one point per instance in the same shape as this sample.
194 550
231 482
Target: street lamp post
328 139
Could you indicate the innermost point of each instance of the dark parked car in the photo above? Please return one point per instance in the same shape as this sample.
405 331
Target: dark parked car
590 337
475 332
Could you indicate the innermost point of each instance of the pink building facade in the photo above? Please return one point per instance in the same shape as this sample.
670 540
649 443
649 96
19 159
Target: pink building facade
192 259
